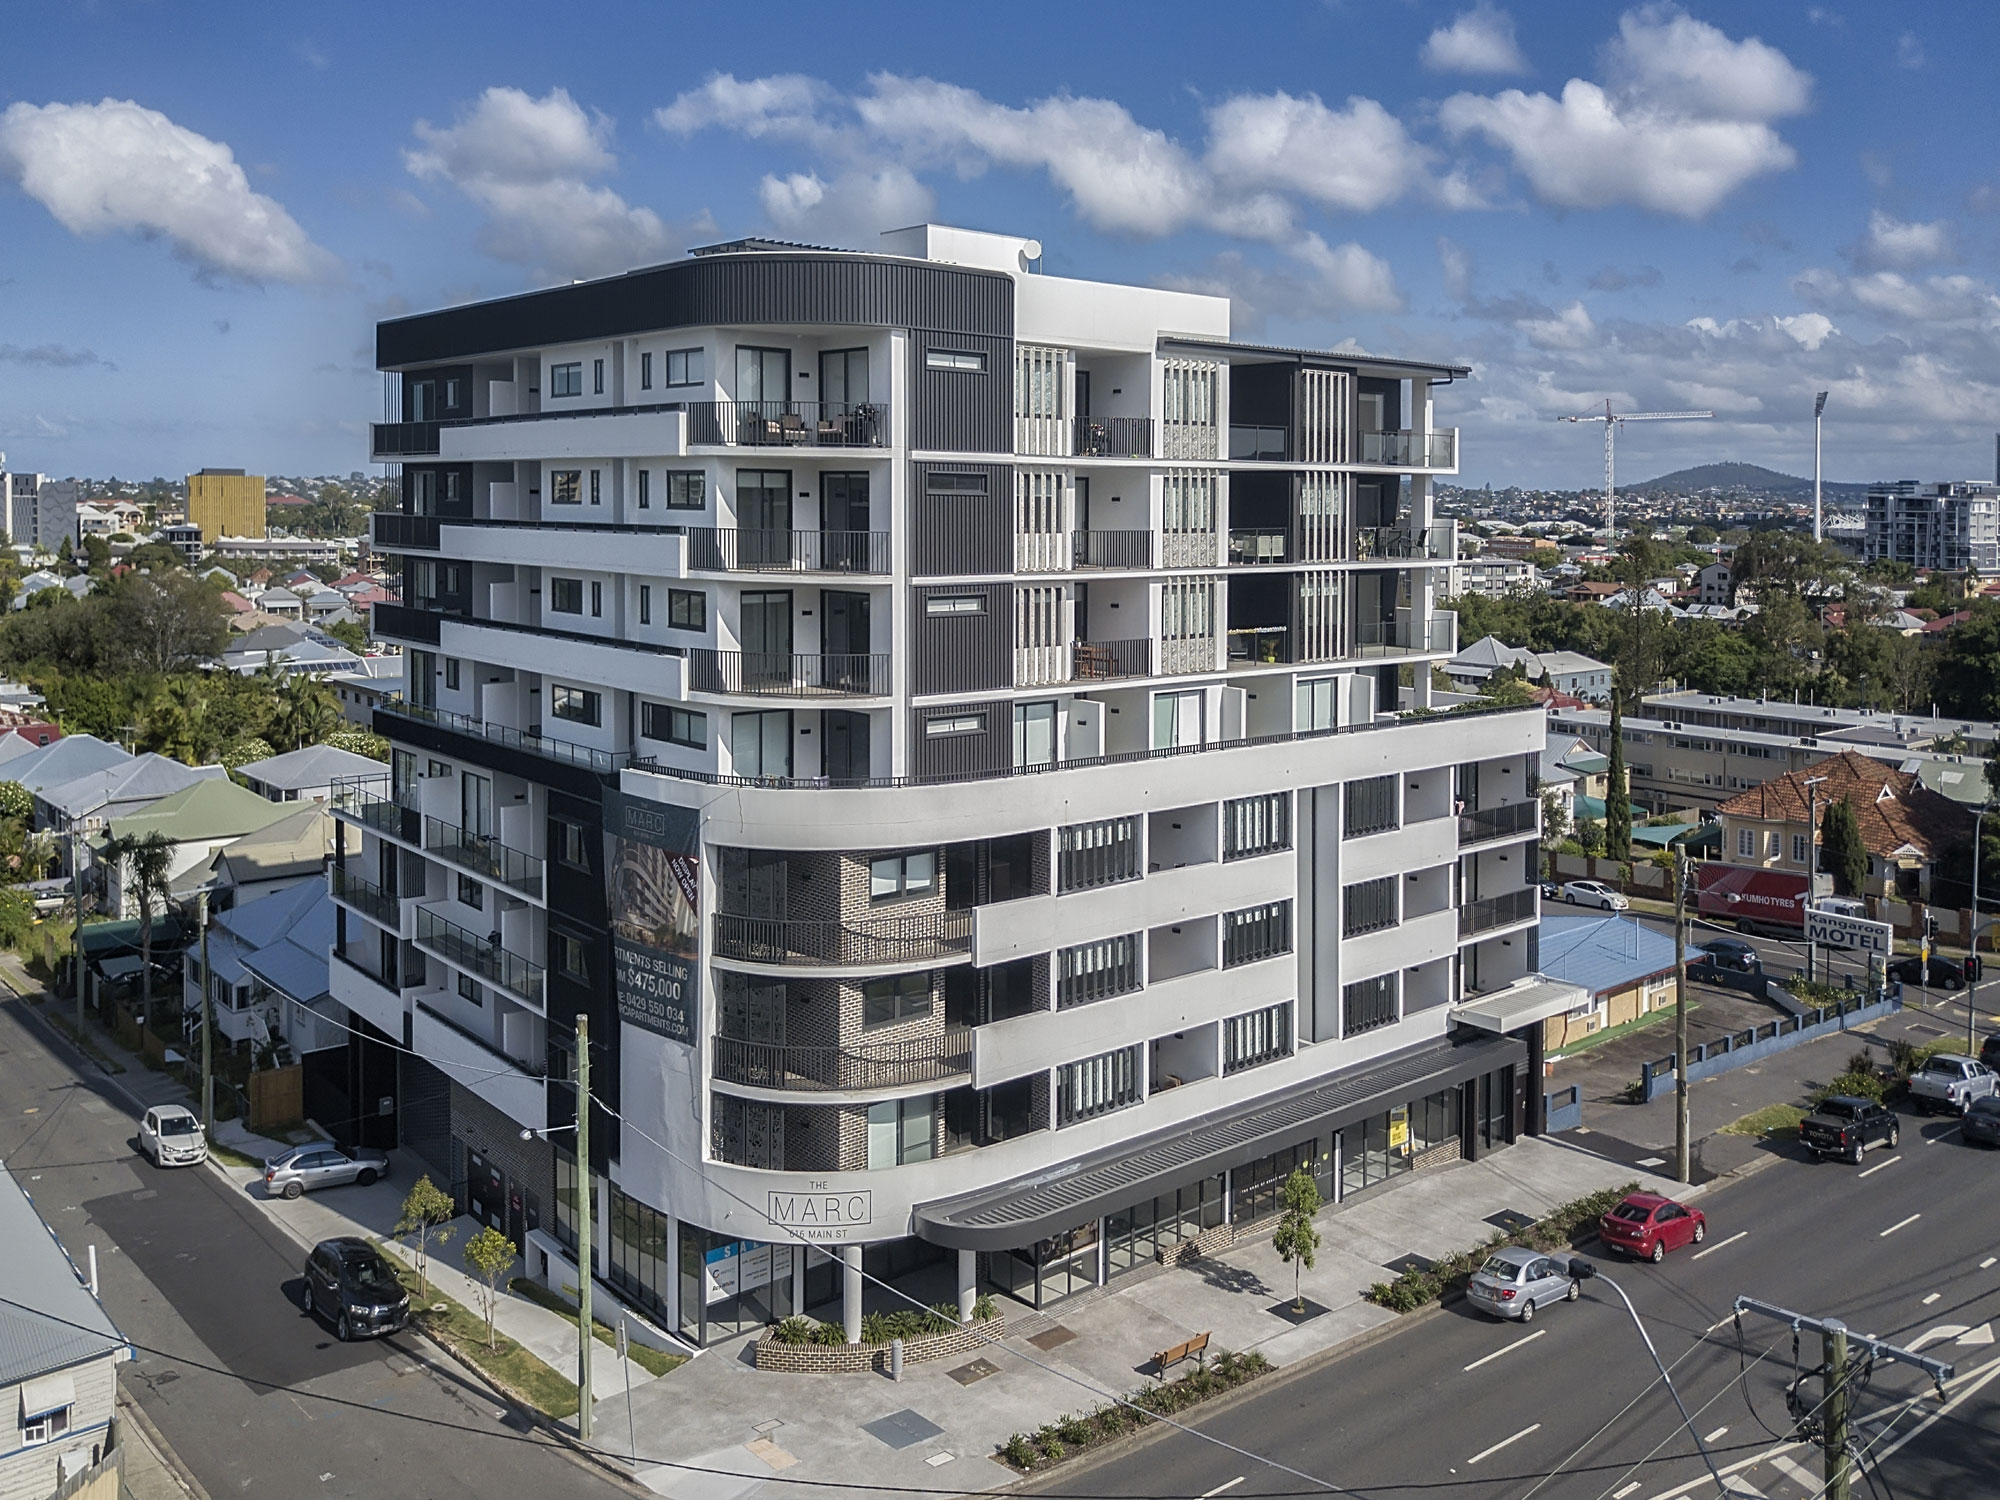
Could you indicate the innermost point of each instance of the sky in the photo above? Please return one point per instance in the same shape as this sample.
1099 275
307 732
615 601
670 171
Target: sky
205 207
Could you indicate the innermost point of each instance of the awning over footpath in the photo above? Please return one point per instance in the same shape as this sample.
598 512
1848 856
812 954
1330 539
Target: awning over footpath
1021 1213
1522 1004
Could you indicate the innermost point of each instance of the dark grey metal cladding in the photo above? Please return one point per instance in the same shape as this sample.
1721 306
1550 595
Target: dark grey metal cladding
963 637
958 532
963 751
759 288
1391 392
962 410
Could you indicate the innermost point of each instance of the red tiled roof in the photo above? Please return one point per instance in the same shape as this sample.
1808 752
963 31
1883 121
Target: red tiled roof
1894 809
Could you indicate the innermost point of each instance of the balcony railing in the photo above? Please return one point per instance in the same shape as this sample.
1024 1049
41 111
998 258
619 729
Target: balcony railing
365 800
403 439
1092 661
533 1067
733 549
789 424
604 762
859 1065
1258 444
1434 542
1111 549
1489 912
501 967
1260 645
1113 437
484 855
1499 822
394 531
403 622
1259 545
867 940
1410 450
776 674
1401 638
365 897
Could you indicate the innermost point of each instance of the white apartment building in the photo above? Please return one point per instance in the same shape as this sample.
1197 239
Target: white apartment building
1950 526
941 724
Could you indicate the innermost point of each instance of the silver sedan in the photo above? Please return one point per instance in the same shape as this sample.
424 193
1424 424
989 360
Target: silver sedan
307 1169
1514 1282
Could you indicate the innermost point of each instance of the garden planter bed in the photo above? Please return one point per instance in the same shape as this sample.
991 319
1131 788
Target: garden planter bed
770 1353
1561 1229
1070 1435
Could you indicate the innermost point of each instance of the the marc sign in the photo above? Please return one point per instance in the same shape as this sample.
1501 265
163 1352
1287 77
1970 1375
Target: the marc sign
821 1215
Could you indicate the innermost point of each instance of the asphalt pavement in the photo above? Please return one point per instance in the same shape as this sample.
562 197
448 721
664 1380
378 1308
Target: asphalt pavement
256 1398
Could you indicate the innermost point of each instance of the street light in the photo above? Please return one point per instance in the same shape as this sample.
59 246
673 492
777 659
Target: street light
1819 410
1972 949
1813 784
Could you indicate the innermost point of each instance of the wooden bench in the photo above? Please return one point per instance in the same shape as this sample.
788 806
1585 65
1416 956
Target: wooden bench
1193 1348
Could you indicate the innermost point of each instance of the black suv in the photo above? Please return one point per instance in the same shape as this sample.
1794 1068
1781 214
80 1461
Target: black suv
1939 973
1989 1051
1726 953
353 1284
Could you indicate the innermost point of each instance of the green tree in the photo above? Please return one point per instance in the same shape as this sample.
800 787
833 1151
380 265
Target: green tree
1297 1240
427 1211
168 624
360 742
1617 796
1968 666
1555 819
176 721
305 713
350 633
144 863
1841 850
1590 835
16 801
491 1256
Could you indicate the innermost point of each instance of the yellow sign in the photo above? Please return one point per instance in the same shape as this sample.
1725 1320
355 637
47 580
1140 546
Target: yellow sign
1399 1129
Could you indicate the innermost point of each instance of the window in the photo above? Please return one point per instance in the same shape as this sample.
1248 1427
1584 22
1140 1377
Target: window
1798 848
1177 720
567 952
597 377
907 997
969 360
1097 971
1746 843
891 877
686 490
1371 806
687 609
1093 854
1366 1004
843 379
571 847
646 371
1260 1037
468 989
684 367
645 489
596 600
578 705
451 395
956 724
596 486
475 804
471 893
760 742
1369 906
566 595
566 487
1256 932
1772 844
677 726
645 604
566 380
955 604
1256 825
901 1131
45 1426
954 482
1097 1085
1034 734
451 673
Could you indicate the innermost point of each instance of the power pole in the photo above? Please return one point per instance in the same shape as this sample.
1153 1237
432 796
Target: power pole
76 900
1833 1440
585 1203
1683 1168
207 1030
1972 948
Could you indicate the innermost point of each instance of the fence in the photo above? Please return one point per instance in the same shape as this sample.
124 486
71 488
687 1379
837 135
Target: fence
277 1097
1741 1048
1564 1108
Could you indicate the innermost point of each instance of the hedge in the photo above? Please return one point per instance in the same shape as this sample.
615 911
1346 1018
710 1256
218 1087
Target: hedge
1557 1230
1072 1434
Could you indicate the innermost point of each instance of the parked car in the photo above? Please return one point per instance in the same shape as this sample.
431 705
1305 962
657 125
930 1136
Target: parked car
1949 1081
1944 973
1550 890
352 1284
307 1169
1846 1126
1514 1282
1728 953
1594 893
1989 1051
171 1135
1981 1121
1647 1226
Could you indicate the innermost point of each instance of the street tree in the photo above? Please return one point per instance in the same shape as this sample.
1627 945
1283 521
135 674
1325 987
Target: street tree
1842 849
144 865
1297 1239
1617 799
425 1218
305 714
491 1256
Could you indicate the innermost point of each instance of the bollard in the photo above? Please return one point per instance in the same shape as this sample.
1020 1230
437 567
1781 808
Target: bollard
896 1360
93 1270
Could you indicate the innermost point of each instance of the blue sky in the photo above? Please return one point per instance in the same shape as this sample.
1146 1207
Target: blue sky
204 207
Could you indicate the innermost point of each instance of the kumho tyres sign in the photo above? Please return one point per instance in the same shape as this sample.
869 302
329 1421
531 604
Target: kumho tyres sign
655 901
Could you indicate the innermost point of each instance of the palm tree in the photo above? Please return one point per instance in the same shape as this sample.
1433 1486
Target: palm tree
306 712
144 863
178 721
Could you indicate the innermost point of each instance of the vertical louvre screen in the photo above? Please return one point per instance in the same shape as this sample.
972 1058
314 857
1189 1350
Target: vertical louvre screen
1097 1085
1320 610
1322 517
1097 971
1187 625
1040 401
1256 932
1187 409
1187 518
1094 854
1259 1037
1041 523
1256 825
1368 906
1041 635
1366 1004
1323 417
1371 806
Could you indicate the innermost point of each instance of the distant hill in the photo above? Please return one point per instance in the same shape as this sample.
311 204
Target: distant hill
1753 477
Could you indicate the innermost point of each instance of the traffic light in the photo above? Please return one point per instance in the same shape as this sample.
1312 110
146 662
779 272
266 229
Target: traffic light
1930 924
1972 968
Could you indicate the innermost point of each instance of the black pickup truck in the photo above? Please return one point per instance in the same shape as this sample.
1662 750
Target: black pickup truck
1846 1126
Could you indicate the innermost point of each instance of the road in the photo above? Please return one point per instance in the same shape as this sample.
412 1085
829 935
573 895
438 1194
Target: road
1572 1409
255 1397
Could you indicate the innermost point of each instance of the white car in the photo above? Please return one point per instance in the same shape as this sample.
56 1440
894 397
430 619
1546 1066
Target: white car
1594 893
171 1135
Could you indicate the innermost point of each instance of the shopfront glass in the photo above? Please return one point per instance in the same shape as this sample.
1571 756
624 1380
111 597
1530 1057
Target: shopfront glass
731 1286
1051 1269
1135 1236
1257 1190
637 1253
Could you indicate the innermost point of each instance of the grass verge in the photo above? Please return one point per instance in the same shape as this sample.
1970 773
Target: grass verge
1612 1033
1068 1435
1772 1119
509 1366
652 1361
230 1157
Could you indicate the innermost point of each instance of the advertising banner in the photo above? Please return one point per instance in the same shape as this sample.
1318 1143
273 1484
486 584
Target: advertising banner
1747 893
655 899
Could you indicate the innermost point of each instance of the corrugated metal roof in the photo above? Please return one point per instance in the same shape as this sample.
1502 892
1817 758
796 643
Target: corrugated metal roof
1602 953
48 1320
1329 356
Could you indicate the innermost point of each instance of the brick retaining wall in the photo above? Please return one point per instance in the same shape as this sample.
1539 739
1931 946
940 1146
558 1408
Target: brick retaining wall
843 1359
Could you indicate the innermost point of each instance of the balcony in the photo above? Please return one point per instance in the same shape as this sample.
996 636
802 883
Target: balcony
511 1083
1491 823
1111 549
860 1065
788 424
1405 637
403 622
485 855
1437 543
1260 645
656 429
394 815
1259 444
864 941
1096 661
1491 912
500 967
603 762
1252 547
366 897
1112 437
778 675
617 661
393 531
1409 450
730 549
393 440
1196 441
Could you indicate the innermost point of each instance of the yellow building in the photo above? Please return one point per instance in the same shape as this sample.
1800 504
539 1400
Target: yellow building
226 502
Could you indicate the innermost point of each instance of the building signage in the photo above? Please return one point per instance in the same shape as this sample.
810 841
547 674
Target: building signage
655 901
1399 1129
821 1215
1744 893
1832 929
739 1266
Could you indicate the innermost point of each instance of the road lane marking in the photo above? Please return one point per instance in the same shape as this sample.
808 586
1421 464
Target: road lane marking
1987 1263
1484 1358
1721 1245
1211 1494
1621 1494
1879 1166
1489 1452
1932 1298
1717 1435
1797 1472
1901 1224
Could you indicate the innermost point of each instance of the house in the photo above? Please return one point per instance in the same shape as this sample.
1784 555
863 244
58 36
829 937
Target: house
274 858
374 682
324 603
59 1358
33 584
1568 672
1648 599
292 647
32 728
1592 593
268 959
1905 826
197 821
1626 967
279 601
1717 585
64 760
308 774
84 805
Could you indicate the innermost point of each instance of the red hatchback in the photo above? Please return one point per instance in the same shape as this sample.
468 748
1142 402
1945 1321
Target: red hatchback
1648 1226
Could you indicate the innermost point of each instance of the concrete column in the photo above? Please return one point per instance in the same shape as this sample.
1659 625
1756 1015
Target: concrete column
968 1283
673 1259
799 1255
850 1292
1536 1036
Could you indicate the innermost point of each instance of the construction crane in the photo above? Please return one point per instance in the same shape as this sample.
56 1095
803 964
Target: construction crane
1611 419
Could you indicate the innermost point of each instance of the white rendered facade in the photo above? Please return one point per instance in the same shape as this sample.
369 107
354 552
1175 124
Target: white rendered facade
1951 527
1020 660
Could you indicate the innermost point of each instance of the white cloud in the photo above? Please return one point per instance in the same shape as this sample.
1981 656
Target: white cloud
1808 330
1347 278
853 209
1895 243
1669 59
118 167
1480 40
529 163
1458 268
1357 158
782 105
1958 300
1571 328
